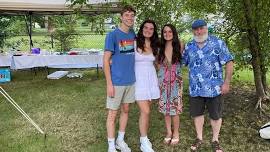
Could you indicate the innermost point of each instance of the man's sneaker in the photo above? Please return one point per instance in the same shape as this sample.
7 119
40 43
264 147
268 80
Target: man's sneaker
112 150
122 146
146 146
147 142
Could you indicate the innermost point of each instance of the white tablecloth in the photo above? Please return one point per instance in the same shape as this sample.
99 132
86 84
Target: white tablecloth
57 61
5 61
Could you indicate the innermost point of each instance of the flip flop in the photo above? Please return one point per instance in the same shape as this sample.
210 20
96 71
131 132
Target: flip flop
167 140
174 141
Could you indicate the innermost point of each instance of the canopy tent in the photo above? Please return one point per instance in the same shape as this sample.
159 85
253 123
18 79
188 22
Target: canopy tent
54 7
47 7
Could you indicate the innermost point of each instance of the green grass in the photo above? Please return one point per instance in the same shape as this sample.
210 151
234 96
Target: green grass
44 42
72 113
91 41
246 77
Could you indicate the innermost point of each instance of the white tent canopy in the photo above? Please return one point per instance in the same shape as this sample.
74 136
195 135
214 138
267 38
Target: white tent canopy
20 7
54 7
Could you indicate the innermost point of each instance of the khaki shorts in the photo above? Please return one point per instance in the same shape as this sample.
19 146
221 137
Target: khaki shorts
123 94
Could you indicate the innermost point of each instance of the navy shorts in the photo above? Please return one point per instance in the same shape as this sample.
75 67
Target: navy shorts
199 104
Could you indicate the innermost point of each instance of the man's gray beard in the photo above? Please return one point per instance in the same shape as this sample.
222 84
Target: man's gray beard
200 38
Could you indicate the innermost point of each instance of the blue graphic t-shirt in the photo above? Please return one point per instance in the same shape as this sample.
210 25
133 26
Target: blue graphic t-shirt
205 66
121 45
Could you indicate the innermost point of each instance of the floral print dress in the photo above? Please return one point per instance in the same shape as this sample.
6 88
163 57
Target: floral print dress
171 88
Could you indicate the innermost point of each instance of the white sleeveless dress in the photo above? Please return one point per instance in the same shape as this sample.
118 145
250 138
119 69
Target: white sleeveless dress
146 85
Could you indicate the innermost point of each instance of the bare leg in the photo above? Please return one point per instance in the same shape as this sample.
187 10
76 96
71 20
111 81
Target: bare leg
111 123
144 117
168 123
216 125
198 121
176 123
123 117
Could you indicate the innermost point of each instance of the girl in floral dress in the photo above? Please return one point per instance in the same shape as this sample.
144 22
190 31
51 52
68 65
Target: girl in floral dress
170 82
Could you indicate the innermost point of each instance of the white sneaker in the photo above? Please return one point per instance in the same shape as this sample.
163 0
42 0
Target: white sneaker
112 150
122 146
148 142
146 146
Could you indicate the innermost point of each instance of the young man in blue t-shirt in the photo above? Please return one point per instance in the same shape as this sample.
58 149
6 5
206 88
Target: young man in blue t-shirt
120 77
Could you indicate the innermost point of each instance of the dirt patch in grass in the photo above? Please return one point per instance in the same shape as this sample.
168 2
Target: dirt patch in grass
242 122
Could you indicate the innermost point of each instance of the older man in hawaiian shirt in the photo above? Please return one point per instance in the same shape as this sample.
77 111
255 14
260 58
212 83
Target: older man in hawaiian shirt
205 55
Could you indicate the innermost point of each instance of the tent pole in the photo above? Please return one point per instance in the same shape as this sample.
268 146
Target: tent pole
9 99
28 22
30 29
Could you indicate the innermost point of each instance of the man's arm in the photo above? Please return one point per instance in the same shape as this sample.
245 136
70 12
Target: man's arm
107 71
225 88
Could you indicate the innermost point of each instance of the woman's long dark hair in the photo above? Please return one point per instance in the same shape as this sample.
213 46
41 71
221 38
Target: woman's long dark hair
154 39
176 54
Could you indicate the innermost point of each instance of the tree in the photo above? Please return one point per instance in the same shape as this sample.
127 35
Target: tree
244 21
161 11
258 61
64 32
4 22
11 25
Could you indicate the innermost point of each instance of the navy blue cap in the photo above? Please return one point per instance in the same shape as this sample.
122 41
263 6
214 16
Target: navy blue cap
198 23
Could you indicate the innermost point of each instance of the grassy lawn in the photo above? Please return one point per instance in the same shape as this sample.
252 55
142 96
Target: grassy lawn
72 113
44 42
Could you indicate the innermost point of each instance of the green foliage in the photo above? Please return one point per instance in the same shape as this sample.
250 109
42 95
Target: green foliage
161 11
65 33
17 43
10 24
78 2
40 20
234 27
96 23
3 23
18 27
199 9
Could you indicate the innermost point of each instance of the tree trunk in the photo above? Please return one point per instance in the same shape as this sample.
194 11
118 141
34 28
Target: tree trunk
46 21
264 78
254 47
50 26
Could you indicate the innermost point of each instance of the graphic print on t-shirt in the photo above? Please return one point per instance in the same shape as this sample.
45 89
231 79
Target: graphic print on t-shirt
126 46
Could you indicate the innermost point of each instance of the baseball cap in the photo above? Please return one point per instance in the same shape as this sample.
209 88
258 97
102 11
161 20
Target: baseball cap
198 23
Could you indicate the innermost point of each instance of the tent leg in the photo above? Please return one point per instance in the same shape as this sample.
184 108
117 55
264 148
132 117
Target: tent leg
97 72
28 22
9 99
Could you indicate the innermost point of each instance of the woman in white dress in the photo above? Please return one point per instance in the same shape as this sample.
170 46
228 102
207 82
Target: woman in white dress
146 86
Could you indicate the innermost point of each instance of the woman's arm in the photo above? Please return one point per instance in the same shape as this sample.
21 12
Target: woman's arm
182 44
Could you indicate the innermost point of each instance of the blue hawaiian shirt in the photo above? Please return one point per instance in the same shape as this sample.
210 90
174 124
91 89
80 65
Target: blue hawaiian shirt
205 66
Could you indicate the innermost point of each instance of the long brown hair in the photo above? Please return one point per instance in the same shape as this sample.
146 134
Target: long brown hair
154 39
176 55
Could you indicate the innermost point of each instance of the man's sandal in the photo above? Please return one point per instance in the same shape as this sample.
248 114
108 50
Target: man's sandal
216 146
196 145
